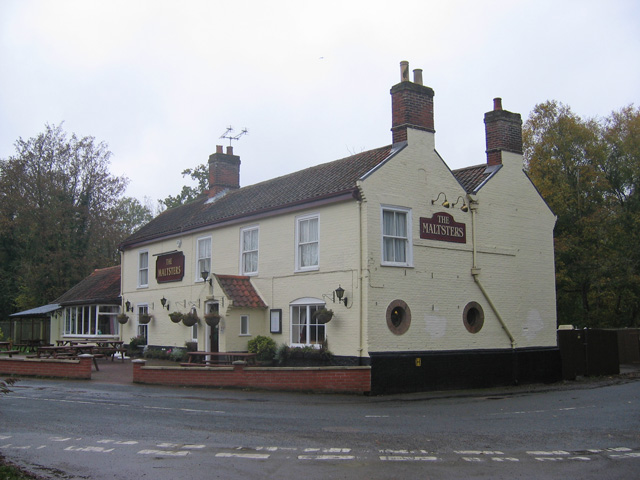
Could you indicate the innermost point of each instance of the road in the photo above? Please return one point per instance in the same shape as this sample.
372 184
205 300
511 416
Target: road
88 430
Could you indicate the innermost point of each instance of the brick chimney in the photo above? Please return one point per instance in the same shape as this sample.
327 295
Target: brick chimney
224 171
411 104
503 131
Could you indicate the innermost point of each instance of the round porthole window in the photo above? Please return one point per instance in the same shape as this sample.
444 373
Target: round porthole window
473 317
398 317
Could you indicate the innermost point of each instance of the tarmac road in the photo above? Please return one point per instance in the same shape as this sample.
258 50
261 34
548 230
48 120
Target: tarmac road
96 430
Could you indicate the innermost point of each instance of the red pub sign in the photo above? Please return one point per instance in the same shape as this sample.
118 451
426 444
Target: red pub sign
443 227
170 267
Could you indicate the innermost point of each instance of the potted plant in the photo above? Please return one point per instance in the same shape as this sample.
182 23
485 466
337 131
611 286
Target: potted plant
145 318
212 318
176 317
190 319
323 315
122 318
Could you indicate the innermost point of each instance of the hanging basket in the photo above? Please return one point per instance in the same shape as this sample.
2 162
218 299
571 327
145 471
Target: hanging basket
212 319
190 319
323 316
144 318
176 317
122 318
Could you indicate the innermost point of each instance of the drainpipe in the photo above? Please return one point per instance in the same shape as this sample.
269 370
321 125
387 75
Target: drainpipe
475 271
360 275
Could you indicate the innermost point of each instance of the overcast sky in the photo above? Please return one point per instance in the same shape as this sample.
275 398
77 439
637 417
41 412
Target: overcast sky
159 81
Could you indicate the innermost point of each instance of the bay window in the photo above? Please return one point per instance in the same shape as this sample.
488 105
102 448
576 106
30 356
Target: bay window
91 320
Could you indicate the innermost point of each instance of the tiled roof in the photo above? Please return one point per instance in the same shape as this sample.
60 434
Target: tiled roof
102 286
471 178
240 291
316 183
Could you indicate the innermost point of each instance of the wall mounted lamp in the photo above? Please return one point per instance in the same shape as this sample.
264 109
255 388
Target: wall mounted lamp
337 293
464 207
165 303
445 204
205 276
127 306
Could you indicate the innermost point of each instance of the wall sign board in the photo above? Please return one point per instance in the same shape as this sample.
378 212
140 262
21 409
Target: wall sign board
170 267
443 227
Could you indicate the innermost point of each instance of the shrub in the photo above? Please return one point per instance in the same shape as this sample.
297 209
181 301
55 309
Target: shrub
263 347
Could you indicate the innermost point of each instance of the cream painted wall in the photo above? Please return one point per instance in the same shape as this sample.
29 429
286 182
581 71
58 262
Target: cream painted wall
276 282
516 258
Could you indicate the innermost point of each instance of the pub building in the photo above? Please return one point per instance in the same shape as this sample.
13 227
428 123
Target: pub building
436 278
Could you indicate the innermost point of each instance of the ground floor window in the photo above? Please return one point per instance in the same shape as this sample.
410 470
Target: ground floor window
143 329
91 320
305 328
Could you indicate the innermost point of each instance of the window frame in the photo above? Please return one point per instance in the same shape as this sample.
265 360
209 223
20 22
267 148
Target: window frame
141 269
73 322
408 239
310 305
142 329
298 245
243 252
245 322
198 272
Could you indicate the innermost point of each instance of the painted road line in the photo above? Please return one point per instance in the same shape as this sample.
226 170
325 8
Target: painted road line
505 459
540 453
164 453
89 449
250 456
327 450
404 458
180 446
119 442
479 452
326 457
626 455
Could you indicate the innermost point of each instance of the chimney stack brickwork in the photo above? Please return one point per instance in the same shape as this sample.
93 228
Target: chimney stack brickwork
224 171
503 133
411 105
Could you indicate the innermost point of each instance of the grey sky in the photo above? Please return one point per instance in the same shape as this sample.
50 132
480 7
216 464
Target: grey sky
159 81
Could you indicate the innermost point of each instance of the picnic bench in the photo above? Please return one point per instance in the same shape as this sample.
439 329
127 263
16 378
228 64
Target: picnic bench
6 348
68 352
203 359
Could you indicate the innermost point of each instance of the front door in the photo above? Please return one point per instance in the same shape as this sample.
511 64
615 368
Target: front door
214 332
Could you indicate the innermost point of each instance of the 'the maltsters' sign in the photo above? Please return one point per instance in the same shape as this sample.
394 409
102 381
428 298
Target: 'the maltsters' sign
443 227
170 267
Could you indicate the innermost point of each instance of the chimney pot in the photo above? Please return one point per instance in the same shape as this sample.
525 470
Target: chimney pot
497 103
417 76
219 149
229 150
404 71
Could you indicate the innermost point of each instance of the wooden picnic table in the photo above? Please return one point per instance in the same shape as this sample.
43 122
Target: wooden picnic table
217 358
68 352
6 348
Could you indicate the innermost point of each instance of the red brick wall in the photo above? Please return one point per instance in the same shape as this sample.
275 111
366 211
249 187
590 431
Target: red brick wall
318 379
36 367
411 106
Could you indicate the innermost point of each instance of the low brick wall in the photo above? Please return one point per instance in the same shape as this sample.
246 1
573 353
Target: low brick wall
312 379
41 367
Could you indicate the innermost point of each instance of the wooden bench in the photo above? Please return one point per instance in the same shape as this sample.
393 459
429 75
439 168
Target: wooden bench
11 353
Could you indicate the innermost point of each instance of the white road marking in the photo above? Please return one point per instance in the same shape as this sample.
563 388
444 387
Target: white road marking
165 453
402 458
626 455
505 459
327 450
119 442
554 452
4 437
250 456
90 449
479 452
180 445
60 439
326 457
472 459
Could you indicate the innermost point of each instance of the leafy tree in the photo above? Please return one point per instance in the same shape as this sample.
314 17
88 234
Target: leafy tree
587 171
61 216
201 175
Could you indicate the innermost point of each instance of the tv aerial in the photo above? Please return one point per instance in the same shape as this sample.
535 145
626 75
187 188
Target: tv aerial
228 134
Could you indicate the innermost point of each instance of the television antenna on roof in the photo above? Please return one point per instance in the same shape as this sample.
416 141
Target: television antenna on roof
228 134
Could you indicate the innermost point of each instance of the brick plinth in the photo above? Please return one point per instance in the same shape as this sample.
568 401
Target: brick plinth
37 367
314 379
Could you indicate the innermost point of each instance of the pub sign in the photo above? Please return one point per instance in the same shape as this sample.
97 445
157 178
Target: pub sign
170 267
443 227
